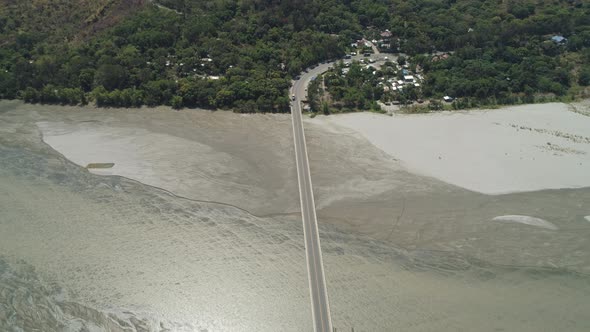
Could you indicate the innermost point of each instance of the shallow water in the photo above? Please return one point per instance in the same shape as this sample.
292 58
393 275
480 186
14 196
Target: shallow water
80 251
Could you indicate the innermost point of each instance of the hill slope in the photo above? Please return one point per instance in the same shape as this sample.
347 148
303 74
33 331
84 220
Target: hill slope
54 19
242 54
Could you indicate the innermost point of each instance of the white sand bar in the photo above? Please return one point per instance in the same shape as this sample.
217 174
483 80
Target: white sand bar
527 220
160 160
521 148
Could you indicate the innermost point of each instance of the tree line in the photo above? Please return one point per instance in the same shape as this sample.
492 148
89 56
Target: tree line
242 55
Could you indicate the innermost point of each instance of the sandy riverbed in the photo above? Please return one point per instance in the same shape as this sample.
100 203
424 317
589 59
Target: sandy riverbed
247 161
522 148
402 251
202 155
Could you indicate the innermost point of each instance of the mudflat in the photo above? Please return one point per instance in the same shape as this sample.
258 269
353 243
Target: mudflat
372 186
203 155
191 250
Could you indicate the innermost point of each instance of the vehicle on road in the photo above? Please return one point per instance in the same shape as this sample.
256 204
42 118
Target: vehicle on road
293 97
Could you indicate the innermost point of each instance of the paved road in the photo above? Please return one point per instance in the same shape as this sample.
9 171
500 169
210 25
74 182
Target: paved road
375 49
317 282
320 306
299 86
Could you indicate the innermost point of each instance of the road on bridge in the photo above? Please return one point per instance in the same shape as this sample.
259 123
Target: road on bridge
320 306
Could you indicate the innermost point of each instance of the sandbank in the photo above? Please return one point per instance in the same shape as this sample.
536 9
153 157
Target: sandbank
514 149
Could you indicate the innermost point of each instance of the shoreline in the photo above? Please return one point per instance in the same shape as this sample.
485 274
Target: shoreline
568 100
514 125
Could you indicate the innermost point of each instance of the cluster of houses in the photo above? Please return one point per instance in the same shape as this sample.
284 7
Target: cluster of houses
394 78
383 43
361 43
391 84
184 70
440 56
397 85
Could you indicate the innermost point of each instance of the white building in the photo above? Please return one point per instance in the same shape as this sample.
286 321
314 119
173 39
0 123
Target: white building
408 78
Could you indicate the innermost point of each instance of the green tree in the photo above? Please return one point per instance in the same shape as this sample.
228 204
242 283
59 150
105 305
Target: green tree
176 102
30 95
224 98
325 108
584 76
86 79
401 60
111 76
49 94
100 95
8 88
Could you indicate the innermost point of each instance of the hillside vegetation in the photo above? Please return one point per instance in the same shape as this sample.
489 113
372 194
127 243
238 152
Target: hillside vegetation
33 21
241 54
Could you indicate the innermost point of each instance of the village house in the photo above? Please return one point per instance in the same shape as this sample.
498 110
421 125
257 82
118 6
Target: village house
559 39
440 57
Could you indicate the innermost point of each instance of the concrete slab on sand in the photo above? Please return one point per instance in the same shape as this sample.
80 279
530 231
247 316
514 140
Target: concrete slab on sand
521 148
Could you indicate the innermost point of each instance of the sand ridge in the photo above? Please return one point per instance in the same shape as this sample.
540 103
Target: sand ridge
526 220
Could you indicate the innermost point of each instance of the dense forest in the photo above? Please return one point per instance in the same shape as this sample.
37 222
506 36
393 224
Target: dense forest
242 54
